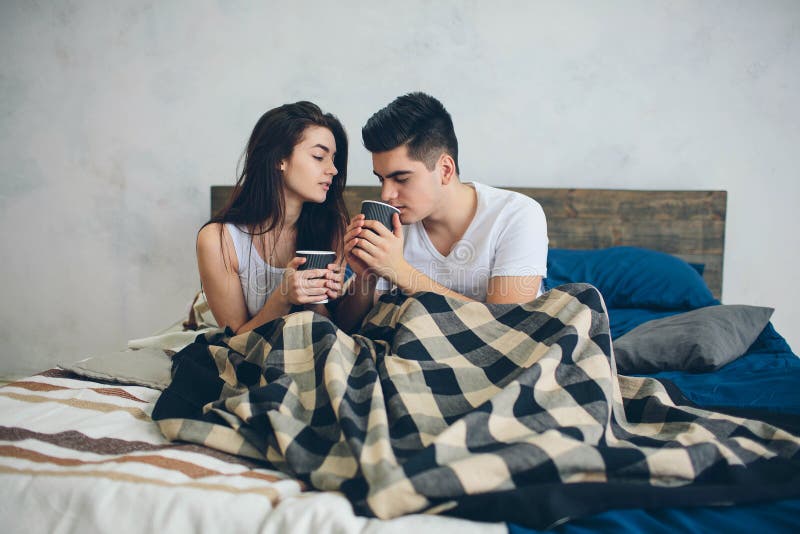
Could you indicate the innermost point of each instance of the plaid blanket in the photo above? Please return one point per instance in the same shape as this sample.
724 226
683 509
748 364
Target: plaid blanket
492 412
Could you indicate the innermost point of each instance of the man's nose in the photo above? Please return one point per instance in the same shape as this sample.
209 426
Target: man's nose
388 191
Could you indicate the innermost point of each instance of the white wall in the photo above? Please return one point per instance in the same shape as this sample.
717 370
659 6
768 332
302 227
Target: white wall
116 117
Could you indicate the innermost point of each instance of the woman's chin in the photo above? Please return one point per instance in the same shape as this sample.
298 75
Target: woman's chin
319 199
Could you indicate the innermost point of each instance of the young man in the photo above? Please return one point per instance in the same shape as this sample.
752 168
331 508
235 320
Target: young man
463 240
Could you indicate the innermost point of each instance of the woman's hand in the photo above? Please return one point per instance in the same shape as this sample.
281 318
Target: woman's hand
334 281
304 287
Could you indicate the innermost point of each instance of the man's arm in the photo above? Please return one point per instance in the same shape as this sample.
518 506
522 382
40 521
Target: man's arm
512 289
520 253
410 281
500 290
381 251
361 294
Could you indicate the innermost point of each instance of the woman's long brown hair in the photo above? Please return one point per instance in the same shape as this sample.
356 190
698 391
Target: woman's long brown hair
257 202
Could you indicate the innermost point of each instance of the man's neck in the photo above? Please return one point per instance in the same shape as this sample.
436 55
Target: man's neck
452 217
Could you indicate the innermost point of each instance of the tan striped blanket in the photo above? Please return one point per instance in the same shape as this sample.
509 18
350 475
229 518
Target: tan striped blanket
84 456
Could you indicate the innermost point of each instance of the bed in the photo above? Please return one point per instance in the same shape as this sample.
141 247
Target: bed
80 450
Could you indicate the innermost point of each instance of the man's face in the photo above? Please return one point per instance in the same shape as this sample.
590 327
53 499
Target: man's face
407 184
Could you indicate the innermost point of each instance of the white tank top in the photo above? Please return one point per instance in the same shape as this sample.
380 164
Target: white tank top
258 278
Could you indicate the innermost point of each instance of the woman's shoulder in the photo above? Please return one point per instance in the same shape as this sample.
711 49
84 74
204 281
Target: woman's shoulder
210 240
210 233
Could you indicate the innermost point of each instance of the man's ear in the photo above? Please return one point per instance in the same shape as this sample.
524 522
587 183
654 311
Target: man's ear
448 168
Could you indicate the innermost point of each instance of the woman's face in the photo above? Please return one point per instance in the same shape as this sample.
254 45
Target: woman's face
309 171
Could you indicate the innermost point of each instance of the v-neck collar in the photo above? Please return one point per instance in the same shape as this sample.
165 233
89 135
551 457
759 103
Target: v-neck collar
426 239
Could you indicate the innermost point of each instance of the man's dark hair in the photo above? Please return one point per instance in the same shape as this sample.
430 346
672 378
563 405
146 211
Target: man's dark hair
417 120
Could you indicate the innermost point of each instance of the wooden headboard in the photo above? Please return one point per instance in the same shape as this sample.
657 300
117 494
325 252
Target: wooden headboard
687 224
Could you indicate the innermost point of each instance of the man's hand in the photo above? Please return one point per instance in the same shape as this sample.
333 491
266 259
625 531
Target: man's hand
379 249
359 267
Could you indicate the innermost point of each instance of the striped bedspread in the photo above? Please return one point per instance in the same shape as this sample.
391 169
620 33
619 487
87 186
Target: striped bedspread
84 456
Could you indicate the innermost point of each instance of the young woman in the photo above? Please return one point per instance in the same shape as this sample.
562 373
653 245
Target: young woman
287 198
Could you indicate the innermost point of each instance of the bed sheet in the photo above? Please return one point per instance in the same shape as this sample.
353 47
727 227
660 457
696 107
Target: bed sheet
774 518
760 379
763 380
84 456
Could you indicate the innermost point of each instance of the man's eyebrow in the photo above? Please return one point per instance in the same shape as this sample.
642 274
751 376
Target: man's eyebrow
394 174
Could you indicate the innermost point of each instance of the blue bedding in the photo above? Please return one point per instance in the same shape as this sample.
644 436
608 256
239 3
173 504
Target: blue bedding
766 378
763 382
781 516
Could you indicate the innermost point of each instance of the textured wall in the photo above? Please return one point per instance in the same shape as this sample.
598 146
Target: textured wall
116 117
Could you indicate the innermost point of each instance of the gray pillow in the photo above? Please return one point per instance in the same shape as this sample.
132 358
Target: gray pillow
699 340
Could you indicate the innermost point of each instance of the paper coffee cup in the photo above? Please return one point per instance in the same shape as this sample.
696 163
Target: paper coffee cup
316 259
379 211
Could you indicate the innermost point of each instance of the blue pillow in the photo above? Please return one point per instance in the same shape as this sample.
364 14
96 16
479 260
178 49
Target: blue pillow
699 267
631 277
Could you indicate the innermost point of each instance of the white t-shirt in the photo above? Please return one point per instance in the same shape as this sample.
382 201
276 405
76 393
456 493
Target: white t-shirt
507 237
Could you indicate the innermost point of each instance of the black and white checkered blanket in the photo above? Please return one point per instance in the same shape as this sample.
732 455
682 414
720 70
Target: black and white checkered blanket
493 412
